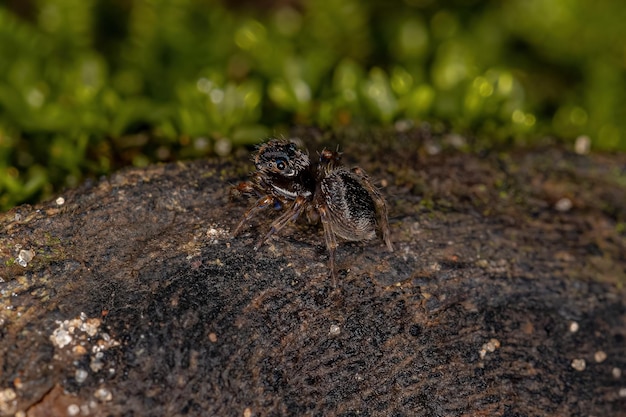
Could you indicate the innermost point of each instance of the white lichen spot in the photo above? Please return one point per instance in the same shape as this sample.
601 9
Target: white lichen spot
579 364
215 234
573 327
600 356
61 337
80 335
334 330
90 326
24 257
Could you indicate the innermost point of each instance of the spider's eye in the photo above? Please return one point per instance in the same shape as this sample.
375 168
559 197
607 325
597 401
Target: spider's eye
280 164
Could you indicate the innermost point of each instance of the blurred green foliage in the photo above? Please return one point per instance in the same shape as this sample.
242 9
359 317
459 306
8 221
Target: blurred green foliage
87 86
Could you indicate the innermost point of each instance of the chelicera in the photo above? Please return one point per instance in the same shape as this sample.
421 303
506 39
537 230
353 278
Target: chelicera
346 202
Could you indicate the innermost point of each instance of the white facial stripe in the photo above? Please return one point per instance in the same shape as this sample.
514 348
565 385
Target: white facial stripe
284 192
290 194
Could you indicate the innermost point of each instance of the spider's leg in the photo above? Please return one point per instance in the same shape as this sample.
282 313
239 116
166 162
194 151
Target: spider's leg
262 203
381 206
290 215
384 222
243 188
331 242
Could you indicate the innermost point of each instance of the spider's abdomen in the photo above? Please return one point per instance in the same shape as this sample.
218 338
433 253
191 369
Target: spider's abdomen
350 206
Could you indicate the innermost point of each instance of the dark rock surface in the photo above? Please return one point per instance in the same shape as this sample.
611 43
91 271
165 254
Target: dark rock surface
504 296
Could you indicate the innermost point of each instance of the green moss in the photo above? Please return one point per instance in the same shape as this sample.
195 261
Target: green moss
96 85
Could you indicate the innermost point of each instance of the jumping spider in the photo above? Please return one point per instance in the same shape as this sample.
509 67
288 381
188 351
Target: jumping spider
344 200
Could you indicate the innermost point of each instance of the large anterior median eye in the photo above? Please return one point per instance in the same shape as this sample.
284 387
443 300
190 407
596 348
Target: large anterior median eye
281 164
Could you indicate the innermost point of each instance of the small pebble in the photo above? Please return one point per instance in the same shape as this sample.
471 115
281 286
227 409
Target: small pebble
622 392
599 356
79 350
573 327
80 376
96 365
90 326
73 410
432 148
616 372
492 345
201 144
60 201
564 204
435 266
17 383
7 395
60 337
223 147
582 145
103 394
579 364
488 347
334 330
24 257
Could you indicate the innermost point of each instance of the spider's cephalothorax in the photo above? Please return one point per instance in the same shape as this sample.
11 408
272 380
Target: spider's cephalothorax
345 201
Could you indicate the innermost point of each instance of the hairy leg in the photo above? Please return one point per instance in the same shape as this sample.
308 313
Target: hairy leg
261 204
291 215
331 242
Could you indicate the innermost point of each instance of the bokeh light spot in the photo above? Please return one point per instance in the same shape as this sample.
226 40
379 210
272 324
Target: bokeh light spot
578 116
505 83
250 35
